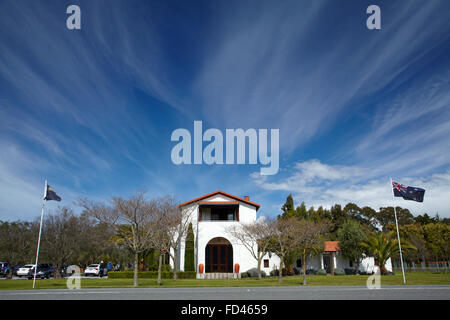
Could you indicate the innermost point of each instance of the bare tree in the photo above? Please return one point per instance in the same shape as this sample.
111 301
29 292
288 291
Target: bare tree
176 226
256 237
62 237
284 239
308 239
18 242
169 227
137 214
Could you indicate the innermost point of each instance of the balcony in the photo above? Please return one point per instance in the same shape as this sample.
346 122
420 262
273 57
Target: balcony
219 212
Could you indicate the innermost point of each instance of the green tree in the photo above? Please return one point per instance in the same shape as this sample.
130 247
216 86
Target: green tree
437 236
311 215
337 217
383 246
423 220
414 234
189 250
386 218
369 215
301 212
288 207
350 236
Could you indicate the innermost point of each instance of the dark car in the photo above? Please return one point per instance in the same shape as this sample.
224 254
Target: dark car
44 271
5 268
14 270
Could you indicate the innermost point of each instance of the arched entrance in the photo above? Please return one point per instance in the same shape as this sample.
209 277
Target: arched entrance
219 256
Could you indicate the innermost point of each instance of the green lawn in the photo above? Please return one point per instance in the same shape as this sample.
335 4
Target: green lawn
413 278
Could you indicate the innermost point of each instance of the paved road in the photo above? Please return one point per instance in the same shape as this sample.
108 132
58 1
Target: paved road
243 293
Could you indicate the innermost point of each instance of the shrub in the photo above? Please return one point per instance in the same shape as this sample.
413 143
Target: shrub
311 271
253 273
321 272
151 275
165 268
288 271
274 273
350 271
244 275
339 272
297 271
365 273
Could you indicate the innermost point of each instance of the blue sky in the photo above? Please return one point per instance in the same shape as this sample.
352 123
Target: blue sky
92 110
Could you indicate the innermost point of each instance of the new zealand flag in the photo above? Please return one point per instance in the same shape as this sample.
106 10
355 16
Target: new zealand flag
408 193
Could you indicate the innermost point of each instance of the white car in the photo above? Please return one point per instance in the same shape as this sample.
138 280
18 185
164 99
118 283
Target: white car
96 270
23 270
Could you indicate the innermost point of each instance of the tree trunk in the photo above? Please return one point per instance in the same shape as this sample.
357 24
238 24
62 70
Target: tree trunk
304 268
357 267
383 270
259 269
136 261
159 268
280 273
175 264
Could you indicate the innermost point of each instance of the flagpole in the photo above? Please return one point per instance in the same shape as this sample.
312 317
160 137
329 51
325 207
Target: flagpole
398 234
40 229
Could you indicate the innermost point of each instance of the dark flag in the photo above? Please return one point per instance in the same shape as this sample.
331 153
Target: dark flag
408 193
51 195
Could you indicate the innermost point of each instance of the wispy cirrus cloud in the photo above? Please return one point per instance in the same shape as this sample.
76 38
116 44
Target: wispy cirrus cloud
93 109
261 70
319 184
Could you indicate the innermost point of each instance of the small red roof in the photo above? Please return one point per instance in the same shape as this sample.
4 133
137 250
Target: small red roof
222 193
331 246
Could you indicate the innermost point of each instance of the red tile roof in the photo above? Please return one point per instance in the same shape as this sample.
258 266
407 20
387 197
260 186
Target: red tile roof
222 193
331 246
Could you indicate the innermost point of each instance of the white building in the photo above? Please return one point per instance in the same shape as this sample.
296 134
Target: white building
219 254
331 259
216 249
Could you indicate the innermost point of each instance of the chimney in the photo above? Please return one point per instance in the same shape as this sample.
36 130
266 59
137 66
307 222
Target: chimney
246 198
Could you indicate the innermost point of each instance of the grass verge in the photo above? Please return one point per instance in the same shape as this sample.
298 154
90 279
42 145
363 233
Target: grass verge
412 278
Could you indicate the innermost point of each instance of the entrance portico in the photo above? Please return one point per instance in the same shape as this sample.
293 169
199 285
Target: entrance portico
219 256
328 258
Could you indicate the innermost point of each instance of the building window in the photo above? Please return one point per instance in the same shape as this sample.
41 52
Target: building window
219 213
266 263
351 264
299 263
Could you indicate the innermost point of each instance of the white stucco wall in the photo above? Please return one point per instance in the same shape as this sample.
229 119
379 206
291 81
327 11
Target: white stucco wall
366 265
274 263
208 230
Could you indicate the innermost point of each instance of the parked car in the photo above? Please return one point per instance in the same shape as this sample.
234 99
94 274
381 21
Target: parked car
98 269
5 268
14 270
44 271
23 270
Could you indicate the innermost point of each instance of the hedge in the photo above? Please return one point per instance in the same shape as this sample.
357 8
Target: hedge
321 272
339 272
151 275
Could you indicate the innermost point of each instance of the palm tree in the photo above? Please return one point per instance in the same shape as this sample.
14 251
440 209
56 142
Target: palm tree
383 246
